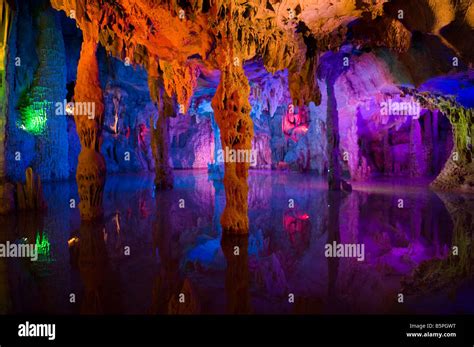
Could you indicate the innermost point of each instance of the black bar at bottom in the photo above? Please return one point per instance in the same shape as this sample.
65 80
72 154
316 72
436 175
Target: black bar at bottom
260 329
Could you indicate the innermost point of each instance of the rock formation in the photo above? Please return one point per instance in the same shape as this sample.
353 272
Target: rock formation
38 106
90 173
29 196
458 172
254 59
160 137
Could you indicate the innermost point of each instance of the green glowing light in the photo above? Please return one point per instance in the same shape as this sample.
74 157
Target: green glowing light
33 114
44 247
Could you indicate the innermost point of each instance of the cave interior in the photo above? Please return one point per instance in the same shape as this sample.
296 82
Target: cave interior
190 128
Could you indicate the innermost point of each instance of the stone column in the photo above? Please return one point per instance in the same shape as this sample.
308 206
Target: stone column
160 138
332 123
91 169
49 88
232 113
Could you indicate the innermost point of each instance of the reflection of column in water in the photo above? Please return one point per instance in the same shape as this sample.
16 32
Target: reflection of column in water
171 292
167 243
235 249
185 301
451 270
334 203
101 289
5 299
350 222
218 205
461 211
5 296
416 220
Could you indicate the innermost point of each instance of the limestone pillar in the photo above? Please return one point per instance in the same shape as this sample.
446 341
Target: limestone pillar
160 138
232 113
91 169
332 124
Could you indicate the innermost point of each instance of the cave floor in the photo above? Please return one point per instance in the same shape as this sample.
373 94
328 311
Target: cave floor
152 246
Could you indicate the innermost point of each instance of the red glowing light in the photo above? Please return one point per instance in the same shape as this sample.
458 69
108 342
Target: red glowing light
295 124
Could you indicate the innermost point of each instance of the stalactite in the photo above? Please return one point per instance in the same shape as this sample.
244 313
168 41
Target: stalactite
179 80
91 169
302 82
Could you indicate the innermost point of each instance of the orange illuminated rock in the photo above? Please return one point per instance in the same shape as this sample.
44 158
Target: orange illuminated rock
90 174
232 114
176 40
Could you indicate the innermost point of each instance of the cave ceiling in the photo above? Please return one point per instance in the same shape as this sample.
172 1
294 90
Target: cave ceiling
184 39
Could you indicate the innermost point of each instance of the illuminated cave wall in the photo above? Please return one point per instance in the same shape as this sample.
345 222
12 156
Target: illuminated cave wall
37 130
48 44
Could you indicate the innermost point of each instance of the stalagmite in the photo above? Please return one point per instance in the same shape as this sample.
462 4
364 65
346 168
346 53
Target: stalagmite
91 169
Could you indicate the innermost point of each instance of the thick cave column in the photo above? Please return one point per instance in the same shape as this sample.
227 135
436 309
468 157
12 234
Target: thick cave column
160 138
91 169
39 116
232 113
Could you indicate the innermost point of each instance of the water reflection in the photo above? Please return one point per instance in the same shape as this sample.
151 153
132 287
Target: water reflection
101 285
235 248
165 252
